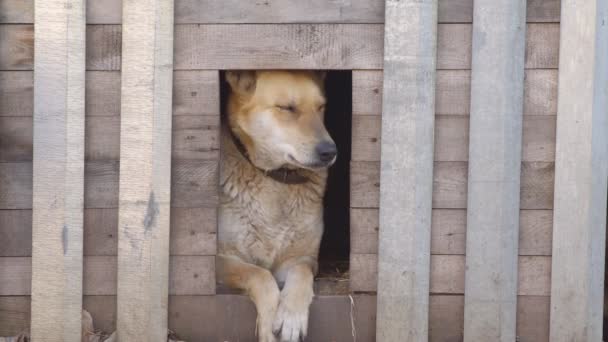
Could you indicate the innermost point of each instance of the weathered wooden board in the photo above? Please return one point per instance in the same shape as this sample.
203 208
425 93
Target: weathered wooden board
103 93
453 89
581 164
16 93
15 138
102 140
194 184
104 43
14 315
145 171
533 318
58 170
446 318
17 43
495 151
196 137
196 92
103 311
447 274
16 233
323 46
408 115
100 232
537 185
275 11
16 277
367 92
193 231
448 232
303 46
452 138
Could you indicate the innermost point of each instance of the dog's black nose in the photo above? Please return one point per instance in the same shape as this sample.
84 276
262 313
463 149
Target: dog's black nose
327 151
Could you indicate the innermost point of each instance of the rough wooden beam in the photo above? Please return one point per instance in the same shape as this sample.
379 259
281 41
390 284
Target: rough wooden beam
497 89
58 172
145 170
406 172
581 166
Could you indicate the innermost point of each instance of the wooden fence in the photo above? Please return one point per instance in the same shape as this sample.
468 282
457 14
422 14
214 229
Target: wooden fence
478 185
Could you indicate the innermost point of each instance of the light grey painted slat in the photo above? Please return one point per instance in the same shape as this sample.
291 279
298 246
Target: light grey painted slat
145 170
497 90
581 166
58 171
406 170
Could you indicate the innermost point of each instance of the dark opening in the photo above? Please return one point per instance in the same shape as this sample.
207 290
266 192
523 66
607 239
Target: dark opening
335 245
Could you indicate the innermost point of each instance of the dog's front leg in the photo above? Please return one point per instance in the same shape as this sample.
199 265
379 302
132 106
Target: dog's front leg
261 287
291 320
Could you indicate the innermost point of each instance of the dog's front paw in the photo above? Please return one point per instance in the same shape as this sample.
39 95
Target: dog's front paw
291 321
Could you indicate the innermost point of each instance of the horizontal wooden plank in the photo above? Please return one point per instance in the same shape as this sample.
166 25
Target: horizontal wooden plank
446 318
16 277
450 185
537 185
540 92
447 274
538 141
16 93
16 233
196 137
103 311
102 138
194 184
193 231
365 137
100 232
451 138
449 230
189 275
14 315
196 92
367 92
17 43
331 318
305 46
102 93
276 11
104 43
542 46
15 138
322 46
453 89
533 318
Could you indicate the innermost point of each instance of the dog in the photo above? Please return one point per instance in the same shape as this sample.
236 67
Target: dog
275 154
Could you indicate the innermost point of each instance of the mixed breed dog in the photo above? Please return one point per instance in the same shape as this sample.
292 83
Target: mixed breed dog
275 155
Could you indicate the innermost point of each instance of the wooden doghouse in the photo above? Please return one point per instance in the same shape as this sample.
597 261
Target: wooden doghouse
477 198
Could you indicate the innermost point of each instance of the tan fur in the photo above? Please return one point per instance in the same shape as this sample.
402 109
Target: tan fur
269 232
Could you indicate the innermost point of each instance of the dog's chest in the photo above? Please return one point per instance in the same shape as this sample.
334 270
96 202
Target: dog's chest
264 221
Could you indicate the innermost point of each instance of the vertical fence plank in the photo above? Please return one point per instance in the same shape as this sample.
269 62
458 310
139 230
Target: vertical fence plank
497 88
58 171
581 166
406 176
145 170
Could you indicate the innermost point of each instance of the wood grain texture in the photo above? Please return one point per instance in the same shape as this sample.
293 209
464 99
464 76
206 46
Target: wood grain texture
15 138
194 184
196 137
322 46
452 95
447 274
537 185
448 231
16 232
533 318
58 172
14 315
367 92
216 11
193 231
16 277
103 93
103 311
16 93
145 171
196 92
17 51
492 235
303 46
100 232
581 164
540 92
408 108
102 140
16 185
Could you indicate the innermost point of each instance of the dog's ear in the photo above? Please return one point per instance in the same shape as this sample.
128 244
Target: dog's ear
241 81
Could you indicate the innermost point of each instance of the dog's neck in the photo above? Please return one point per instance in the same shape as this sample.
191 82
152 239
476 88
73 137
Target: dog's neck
281 175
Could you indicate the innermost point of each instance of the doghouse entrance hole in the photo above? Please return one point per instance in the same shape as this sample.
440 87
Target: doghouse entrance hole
335 245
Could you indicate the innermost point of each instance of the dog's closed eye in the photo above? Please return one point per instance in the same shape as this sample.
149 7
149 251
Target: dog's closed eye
288 108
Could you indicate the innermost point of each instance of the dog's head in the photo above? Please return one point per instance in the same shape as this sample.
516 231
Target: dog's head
278 116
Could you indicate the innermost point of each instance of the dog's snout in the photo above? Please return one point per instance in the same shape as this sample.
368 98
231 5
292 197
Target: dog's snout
326 151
